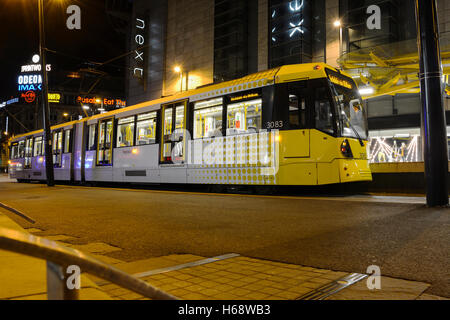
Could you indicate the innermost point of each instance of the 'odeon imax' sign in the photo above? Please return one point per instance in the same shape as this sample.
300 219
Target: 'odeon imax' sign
29 80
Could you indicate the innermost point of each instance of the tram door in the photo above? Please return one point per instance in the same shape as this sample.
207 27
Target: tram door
104 148
173 142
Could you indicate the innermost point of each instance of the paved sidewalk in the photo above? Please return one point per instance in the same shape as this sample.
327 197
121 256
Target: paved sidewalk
243 278
24 278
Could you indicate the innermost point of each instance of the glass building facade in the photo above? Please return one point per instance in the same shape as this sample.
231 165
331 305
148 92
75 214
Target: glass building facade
235 38
220 40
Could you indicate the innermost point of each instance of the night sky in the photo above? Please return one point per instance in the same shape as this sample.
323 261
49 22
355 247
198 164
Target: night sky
97 41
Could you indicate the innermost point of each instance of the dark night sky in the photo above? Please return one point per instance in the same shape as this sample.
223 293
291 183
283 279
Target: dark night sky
19 39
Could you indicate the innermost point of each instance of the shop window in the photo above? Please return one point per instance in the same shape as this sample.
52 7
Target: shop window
91 139
208 118
146 128
38 147
67 144
323 111
125 132
244 117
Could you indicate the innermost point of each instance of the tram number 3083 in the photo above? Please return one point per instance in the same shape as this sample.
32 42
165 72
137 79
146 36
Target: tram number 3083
275 125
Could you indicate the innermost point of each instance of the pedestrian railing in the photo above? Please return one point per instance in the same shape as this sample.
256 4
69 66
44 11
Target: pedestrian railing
59 258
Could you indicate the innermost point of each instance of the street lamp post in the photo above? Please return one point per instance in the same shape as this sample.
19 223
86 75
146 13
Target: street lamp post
434 133
45 105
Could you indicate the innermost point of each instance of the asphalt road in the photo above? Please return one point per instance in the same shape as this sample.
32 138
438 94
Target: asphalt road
407 240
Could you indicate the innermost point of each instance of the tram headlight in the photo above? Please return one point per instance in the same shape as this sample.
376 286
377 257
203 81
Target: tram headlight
346 150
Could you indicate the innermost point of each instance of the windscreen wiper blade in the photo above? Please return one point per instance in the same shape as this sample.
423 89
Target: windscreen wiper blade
361 142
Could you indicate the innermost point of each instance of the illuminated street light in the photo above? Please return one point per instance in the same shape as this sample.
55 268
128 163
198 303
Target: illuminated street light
86 107
338 24
178 69
366 91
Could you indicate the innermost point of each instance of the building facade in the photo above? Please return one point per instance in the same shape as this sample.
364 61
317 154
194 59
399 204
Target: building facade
183 44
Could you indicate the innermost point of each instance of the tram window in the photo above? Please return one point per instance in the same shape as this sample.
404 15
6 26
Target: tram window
67 135
37 150
208 118
29 147
125 132
173 130
178 146
244 117
91 139
146 128
21 152
323 111
57 141
28 152
104 154
14 151
297 112
167 151
57 148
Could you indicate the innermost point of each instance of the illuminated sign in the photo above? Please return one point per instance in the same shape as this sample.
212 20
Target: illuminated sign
34 68
245 97
29 82
29 96
139 52
54 97
292 11
10 101
103 101
341 82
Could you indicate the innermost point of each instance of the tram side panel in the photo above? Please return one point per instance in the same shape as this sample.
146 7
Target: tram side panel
62 172
137 164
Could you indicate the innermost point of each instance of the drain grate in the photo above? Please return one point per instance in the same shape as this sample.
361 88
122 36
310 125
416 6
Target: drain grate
333 287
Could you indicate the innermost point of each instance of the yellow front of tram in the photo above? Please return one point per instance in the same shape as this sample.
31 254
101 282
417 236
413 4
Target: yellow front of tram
332 147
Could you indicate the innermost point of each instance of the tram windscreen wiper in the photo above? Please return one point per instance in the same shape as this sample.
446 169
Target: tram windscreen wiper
361 142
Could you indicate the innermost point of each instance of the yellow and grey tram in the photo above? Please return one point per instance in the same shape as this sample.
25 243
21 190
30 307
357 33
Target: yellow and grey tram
293 125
